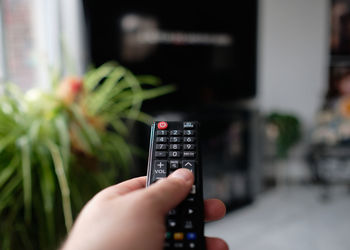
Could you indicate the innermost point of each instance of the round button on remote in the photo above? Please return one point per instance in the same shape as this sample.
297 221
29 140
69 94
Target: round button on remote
162 125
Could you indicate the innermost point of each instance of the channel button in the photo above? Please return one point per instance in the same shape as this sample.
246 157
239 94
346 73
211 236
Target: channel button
189 165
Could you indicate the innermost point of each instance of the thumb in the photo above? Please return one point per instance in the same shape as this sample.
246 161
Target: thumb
167 193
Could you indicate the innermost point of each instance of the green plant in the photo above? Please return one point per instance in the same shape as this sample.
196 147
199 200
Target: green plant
58 148
289 132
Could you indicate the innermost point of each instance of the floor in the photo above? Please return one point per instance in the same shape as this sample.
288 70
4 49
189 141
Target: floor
289 218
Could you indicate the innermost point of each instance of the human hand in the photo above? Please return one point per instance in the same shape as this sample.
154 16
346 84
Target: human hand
127 216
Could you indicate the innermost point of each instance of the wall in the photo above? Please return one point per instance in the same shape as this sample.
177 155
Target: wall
2 54
293 56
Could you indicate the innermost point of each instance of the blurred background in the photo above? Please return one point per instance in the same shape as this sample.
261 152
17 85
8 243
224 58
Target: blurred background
269 81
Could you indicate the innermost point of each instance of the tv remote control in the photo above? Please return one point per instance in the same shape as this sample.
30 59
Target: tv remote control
175 145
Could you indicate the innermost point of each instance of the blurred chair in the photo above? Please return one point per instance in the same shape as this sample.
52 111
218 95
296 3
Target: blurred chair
330 166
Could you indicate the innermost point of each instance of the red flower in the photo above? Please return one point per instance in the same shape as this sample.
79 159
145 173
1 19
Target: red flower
69 89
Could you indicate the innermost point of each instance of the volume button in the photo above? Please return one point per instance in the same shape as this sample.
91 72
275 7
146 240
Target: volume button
159 170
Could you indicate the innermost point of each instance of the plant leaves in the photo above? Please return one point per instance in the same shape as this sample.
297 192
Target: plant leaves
95 76
63 138
149 80
47 186
141 117
63 183
101 94
7 192
88 131
119 126
23 144
9 139
8 171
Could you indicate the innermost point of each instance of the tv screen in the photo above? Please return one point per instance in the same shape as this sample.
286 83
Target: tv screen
207 50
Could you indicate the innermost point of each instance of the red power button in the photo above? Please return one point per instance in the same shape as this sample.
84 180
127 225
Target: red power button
162 125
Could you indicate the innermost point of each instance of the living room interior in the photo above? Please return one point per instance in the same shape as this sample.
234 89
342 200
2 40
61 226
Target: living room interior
268 81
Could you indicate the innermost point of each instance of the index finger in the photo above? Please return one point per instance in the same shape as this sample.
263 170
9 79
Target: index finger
127 186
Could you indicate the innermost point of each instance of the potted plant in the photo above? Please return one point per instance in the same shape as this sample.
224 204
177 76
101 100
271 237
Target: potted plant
282 133
58 148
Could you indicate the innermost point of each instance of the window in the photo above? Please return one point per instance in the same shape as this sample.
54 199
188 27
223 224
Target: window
17 42
38 37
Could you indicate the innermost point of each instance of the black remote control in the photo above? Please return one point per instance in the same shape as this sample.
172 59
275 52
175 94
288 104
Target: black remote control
175 145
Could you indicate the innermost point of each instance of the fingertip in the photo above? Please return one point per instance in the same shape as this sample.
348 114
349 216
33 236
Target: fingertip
183 174
213 243
214 209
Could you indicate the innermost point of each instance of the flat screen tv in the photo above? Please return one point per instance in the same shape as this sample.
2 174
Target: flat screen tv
208 50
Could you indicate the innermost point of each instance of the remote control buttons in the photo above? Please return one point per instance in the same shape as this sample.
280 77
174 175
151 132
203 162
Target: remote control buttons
160 154
188 224
175 146
162 132
189 165
178 236
175 139
189 146
159 170
175 132
190 198
162 125
161 139
189 125
178 245
189 132
172 211
193 189
189 139
191 236
174 164
172 223
191 245
168 235
189 154
174 154
189 211
161 146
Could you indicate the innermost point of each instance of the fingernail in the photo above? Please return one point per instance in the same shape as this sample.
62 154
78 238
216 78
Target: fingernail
182 173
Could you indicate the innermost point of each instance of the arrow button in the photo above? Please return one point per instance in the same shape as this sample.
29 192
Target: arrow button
189 165
190 211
